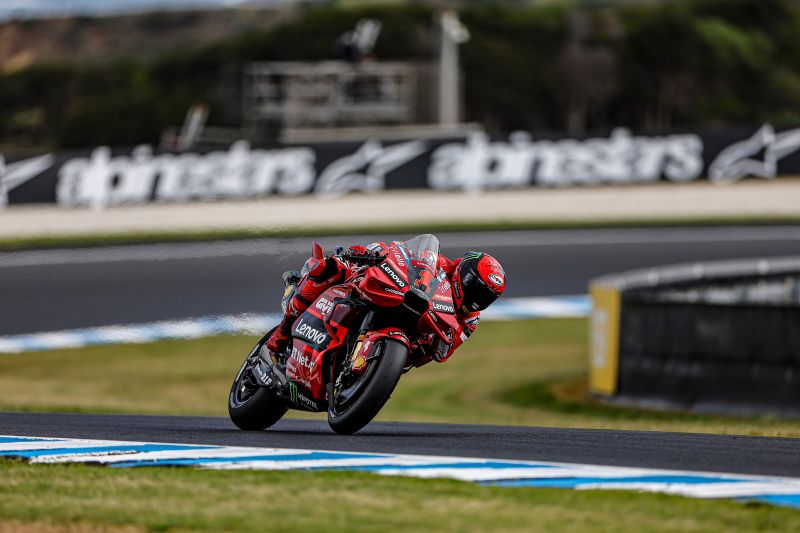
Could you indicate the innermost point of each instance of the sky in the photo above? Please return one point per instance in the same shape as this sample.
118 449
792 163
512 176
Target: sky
47 8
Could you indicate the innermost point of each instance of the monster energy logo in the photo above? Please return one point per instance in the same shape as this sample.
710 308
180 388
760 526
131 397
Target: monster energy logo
473 255
299 398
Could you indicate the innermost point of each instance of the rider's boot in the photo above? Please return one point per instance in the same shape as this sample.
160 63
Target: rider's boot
278 340
298 296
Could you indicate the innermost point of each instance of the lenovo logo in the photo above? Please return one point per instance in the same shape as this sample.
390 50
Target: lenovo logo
393 275
312 334
442 308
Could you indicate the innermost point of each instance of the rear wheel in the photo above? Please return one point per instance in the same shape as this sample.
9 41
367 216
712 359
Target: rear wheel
356 402
251 406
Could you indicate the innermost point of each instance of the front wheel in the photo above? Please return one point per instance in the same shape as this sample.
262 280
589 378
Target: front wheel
357 403
251 406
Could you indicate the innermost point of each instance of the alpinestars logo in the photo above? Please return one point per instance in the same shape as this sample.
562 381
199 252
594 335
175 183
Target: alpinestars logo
311 334
393 275
757 156
12 175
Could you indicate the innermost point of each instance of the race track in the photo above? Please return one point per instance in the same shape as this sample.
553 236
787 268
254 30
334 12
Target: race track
64 289
675 451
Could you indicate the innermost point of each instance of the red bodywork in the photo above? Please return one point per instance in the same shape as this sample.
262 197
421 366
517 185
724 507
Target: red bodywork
322 329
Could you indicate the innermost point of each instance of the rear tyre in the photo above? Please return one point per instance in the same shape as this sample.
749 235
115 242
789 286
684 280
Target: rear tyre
381 381
251 406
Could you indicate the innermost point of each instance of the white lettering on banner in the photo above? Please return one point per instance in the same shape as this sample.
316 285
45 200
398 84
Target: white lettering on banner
739 160
238 173
375 160
474 163
621 158
13 175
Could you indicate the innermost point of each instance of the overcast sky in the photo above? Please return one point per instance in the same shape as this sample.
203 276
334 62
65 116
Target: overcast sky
47 8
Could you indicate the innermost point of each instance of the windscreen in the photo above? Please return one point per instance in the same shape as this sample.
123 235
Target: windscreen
422 256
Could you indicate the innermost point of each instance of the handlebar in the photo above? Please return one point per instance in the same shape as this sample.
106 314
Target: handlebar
367 257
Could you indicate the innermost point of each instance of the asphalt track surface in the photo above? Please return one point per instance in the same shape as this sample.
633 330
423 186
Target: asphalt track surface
678 451
63 289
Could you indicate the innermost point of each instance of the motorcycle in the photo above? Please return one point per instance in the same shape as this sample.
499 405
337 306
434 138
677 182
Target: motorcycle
348 350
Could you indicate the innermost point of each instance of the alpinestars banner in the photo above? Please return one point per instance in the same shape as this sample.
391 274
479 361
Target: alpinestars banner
104 176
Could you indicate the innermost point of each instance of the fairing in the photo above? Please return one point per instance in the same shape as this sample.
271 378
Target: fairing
323 328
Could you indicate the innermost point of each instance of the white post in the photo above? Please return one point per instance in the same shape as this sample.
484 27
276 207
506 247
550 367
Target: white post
3 189
452 33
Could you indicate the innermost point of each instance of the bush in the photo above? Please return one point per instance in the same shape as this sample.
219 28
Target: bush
555 67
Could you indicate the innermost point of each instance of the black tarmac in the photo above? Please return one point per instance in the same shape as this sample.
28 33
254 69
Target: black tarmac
679 451
64 289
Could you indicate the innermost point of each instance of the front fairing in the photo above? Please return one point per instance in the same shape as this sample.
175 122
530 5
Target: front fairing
406 266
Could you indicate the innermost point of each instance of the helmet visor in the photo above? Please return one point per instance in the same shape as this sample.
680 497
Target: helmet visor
477 295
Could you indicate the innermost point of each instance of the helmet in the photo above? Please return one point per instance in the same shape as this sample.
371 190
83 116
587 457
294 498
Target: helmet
477 282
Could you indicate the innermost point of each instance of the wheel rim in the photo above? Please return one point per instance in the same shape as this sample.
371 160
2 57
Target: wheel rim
244 385
347 396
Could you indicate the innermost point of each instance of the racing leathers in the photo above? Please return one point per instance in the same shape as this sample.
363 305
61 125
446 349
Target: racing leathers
318 275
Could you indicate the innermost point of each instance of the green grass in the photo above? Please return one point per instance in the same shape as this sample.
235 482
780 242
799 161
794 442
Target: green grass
525 373
77 497
62 241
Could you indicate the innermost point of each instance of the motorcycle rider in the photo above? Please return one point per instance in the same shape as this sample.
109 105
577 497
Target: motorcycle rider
477 280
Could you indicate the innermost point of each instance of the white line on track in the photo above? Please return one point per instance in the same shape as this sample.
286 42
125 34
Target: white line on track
496 471
493 239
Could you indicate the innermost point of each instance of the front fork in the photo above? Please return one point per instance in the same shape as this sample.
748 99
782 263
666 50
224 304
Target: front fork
347 366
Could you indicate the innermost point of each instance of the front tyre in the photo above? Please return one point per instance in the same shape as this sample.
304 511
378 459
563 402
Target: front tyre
251 406
349 413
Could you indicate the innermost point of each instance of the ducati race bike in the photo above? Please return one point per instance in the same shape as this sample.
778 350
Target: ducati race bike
348 350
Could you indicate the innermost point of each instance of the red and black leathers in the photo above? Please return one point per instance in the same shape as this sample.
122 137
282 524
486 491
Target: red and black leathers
321 275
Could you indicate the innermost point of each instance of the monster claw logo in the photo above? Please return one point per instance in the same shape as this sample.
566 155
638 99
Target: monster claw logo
298 398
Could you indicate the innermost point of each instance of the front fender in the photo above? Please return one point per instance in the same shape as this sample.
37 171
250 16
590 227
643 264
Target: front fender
386 333
367 349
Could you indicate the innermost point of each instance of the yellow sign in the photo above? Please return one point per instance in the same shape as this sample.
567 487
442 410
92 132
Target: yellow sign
604 338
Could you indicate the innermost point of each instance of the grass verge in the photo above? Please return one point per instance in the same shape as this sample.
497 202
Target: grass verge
526 373
75 241
82 498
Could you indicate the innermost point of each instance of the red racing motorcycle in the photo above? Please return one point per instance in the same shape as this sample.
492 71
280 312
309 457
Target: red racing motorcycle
350 347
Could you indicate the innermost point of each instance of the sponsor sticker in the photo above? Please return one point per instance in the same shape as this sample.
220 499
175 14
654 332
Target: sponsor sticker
298 398
497 279
398 333
359 364
393 291
302 359
324 305
316 336
442 307
398 257
393 275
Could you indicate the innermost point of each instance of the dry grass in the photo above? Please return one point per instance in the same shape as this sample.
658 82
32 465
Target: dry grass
81 498
529 373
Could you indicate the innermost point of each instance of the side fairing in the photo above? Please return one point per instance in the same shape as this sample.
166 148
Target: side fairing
322 328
